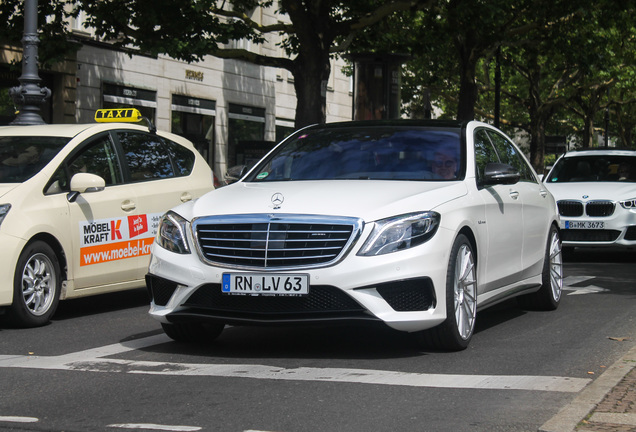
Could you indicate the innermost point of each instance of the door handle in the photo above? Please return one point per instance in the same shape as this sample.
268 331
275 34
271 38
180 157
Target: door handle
514 194
128 205
186 196
543 193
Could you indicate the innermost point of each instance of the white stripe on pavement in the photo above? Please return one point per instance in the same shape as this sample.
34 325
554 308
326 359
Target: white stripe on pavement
91 361
150 426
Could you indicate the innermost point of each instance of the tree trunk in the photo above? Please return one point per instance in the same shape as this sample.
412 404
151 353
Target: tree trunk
468 85
310 82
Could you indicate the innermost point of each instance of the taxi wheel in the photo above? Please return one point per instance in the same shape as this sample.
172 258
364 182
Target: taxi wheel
37 282
193 331
549 295
455 333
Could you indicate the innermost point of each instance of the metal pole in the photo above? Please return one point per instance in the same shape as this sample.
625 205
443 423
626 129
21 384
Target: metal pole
497 87
28 95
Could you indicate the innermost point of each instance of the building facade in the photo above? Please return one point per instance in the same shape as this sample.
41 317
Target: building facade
232 110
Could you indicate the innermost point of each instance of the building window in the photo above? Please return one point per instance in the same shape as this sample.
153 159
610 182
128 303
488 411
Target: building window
193 118
284 128
246 132
118 96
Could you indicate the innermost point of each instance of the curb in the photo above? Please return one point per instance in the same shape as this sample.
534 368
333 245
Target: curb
585 404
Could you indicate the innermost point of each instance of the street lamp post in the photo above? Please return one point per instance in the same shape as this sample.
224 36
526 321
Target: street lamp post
29 96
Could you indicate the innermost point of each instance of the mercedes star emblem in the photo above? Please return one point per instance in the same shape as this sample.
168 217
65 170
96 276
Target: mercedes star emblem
277 199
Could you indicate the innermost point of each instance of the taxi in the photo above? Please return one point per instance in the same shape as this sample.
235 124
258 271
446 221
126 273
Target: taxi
80 205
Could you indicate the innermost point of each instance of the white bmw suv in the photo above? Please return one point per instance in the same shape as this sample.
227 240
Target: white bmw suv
595 191
414 225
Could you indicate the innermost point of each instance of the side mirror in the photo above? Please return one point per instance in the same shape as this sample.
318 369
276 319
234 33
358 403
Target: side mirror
85 183
498 173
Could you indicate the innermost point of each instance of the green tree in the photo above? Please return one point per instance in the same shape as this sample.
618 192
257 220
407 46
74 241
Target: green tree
191 29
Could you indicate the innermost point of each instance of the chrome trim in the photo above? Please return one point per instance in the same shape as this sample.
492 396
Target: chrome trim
357 225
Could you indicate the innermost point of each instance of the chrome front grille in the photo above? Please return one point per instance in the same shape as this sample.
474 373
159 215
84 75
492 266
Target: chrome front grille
268 241
592 208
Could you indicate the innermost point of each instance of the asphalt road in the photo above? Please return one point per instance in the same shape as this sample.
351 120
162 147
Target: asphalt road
104 365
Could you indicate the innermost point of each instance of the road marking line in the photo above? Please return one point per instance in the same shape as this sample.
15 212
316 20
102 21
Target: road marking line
16 419
92 361
151 426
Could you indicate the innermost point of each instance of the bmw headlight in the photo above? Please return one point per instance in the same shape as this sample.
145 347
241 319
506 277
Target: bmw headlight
171 234
629 204
4 209
400 232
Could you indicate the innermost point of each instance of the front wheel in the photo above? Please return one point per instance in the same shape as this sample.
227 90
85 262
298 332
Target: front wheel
455 333
549 295
36 286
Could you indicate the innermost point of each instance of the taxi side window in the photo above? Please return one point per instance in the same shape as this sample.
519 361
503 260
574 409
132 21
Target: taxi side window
509 155
97 157
146 156
182 158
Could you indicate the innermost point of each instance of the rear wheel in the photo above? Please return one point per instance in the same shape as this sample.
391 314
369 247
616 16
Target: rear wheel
36 286
455 333
193 331
549 295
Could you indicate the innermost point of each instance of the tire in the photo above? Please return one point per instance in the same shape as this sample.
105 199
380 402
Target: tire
192 331
36 286
549 295
455 333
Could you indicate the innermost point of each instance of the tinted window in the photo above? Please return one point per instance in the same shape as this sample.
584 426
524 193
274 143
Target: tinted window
508 154
23 157
595 168
98 157
484 152
384 153
146 156
182 158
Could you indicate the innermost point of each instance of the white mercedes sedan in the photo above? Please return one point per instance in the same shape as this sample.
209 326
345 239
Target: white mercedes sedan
415 225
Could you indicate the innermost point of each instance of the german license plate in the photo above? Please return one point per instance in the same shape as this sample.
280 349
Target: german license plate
583 224
265 284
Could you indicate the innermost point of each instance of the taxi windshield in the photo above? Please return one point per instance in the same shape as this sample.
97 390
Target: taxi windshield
369 153
21 157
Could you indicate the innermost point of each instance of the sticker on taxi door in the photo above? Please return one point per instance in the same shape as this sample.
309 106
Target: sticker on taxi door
108 240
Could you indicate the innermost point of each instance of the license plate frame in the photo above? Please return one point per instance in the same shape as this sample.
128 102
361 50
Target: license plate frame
265 284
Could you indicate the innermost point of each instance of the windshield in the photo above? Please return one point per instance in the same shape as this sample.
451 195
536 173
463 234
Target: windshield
370 152
597 168
21 157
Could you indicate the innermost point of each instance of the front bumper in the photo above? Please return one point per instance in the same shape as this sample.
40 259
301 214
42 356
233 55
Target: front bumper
404 290
616 230
9 254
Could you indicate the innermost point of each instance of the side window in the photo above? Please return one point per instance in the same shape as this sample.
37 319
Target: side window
97 157
509 155
484 152
182 158
146 156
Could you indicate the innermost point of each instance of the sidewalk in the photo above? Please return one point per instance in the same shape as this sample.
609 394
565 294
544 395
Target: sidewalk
608 404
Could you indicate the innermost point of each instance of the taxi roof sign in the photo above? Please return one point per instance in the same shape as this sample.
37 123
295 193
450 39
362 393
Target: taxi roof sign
118 115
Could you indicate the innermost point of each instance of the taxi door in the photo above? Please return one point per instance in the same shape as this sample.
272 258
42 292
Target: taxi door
158 170
100 221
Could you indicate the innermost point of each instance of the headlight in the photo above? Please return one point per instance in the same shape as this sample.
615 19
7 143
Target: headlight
171 234
4 209
629 204
400 232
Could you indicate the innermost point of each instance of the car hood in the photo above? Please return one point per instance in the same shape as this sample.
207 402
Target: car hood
6 188
367 199
590 191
